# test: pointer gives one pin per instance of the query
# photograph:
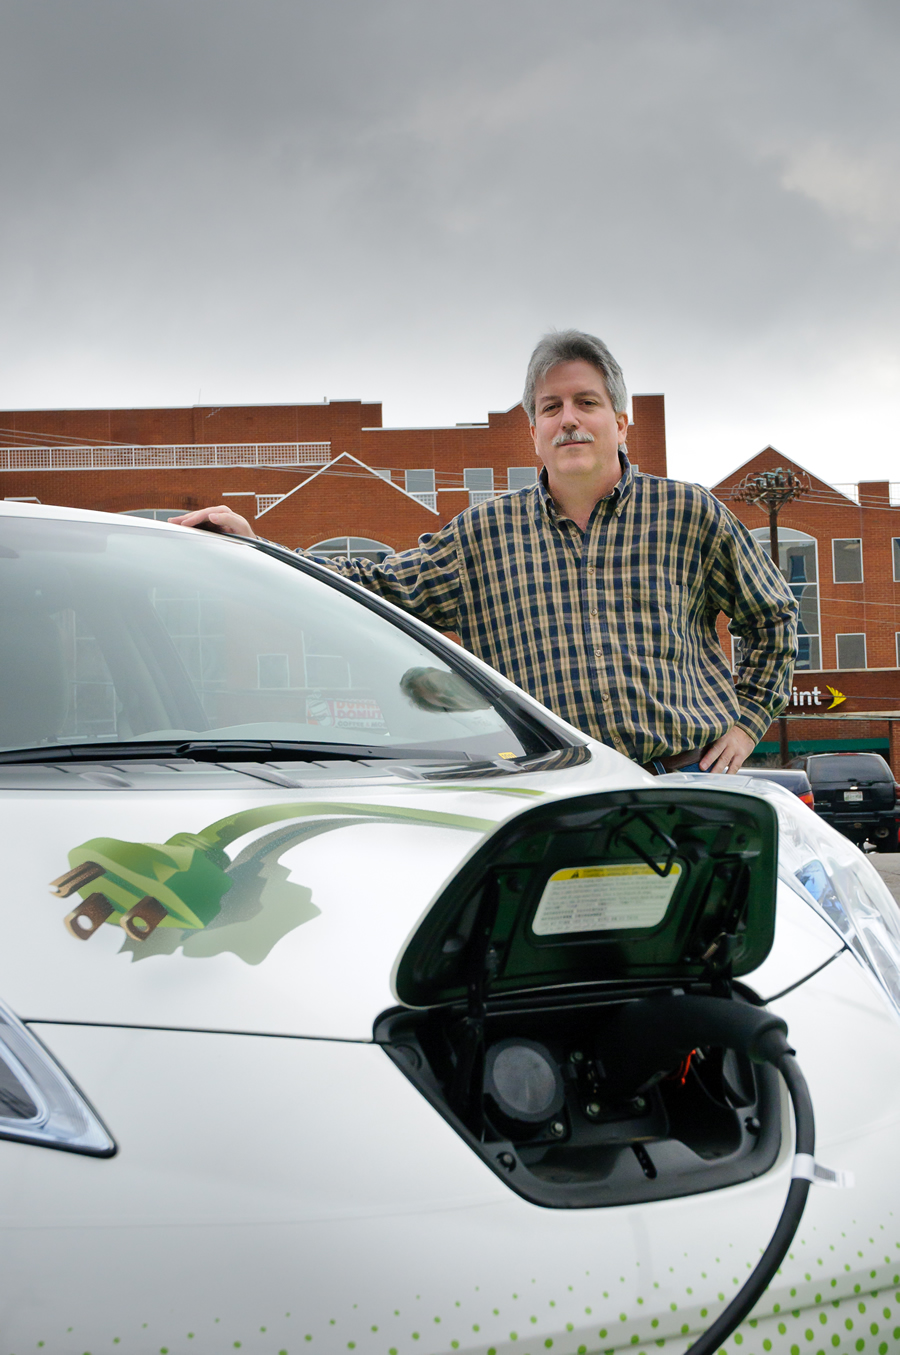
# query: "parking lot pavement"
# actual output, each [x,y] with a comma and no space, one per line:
[888,866]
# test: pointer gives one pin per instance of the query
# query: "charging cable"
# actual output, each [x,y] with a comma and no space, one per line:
[658,1032]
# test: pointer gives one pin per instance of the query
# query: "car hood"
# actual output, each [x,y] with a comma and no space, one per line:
[283,911]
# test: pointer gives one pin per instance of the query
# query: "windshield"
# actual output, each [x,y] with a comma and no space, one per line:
[116,632]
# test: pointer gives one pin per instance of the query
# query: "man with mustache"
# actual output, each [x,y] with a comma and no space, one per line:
[597,589]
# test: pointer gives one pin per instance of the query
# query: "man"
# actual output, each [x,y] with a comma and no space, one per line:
[597,590]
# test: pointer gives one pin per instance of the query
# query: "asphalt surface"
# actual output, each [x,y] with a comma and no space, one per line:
[888,866]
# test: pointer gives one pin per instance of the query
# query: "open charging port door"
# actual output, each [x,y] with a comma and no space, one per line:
[513,990]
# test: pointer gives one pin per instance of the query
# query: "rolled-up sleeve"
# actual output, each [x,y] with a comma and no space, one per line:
[746,586]
[424,581]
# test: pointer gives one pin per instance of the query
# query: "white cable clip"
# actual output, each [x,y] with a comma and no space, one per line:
[806,1168]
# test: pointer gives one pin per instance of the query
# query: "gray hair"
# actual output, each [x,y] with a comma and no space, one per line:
[571,345]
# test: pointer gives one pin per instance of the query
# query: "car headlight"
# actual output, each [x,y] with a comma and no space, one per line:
[831,874]
[38,1102]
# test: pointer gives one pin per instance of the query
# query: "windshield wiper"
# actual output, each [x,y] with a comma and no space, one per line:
[230,750]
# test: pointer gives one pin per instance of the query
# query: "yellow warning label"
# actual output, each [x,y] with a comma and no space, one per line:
[604,898]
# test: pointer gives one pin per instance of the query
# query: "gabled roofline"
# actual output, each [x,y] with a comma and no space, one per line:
[794,462]
[348,456]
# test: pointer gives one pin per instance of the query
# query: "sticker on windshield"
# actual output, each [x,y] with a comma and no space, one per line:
[344,712]
[604,899]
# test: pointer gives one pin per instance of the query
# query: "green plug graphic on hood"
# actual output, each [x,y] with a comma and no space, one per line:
[180,883]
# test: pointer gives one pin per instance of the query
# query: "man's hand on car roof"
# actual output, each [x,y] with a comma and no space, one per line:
[221,518]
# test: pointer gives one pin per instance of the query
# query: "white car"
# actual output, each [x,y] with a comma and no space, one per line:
[354,1002]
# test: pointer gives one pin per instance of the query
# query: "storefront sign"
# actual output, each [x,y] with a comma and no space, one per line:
[815,696]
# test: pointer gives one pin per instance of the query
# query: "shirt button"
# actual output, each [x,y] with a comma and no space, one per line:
[595,611]
[598,653]
[591,570]
[604,696]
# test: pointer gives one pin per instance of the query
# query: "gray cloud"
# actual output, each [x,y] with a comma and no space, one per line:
[279,201]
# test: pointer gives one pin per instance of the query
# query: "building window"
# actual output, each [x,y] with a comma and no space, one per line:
[331,671]
[851,651]
[357,547]
[272,671]
[196,626]
[895,546]
[798,560]
[479,481]
[520,477]
[420,485]
[846,554]
[897,646]
[159,514]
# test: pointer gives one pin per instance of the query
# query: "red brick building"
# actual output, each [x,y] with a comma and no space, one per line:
[839,549]
[332,476]
[302,474]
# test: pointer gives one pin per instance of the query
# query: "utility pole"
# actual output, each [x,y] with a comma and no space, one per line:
[770,490]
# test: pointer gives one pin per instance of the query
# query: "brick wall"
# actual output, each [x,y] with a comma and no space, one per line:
[871,607]
[345,499]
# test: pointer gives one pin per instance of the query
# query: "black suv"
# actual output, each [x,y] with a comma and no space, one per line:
[857,794]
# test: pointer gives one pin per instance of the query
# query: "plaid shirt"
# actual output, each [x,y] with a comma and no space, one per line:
[613,628]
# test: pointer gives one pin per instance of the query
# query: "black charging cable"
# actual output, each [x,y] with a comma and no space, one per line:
[656,1032]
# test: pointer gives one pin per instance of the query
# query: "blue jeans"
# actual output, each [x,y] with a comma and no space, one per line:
[691,767]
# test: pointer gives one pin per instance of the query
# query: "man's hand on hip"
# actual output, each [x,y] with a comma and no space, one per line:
[223,518]
[729,753]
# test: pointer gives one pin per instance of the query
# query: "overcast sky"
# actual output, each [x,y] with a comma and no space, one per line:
[227,201]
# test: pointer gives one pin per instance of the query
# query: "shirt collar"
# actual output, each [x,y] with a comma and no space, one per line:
[617,497]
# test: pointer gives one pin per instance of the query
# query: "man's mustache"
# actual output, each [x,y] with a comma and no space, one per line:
[571,437]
